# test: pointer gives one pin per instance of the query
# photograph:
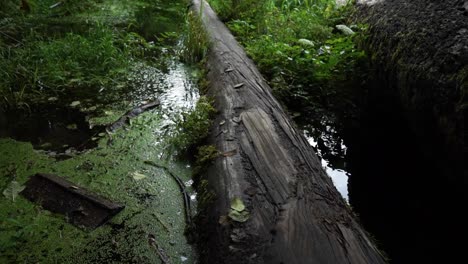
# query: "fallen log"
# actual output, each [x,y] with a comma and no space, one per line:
[273,201]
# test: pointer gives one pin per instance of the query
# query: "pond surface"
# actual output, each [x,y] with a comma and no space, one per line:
[66,135]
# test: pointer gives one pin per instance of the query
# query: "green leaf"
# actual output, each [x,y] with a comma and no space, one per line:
[237,205]
[239,216]
[306,42]
[13,189]
[238,212]
[75,103]
[138,176]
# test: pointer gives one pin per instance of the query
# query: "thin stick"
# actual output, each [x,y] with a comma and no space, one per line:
[187,205]
[162,255]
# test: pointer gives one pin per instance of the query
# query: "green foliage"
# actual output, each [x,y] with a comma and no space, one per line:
[12,191]
[195,41]
[10,8]
[73,62]
[193,126]
[70,6]
[155,19]
[296,46]
[238,211]
[206,197]
[206,154]
[74,49]
[78,59]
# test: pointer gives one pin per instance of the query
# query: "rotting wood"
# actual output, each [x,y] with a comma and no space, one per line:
[296,214]
[159,250]
[82,207]
[125,119]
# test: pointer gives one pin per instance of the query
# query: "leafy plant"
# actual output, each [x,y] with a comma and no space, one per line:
[195,41]
[12,190]
[193,126]
[206,154]
[203,159]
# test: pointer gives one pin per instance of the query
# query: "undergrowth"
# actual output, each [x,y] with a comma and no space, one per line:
[194,125]
[310,64]
[71,61]
[50,48]
[195,41]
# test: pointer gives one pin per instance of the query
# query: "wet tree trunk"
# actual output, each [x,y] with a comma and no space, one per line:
[296,215]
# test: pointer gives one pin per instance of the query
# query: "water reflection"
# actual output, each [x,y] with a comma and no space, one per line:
[176,88]
[339,175]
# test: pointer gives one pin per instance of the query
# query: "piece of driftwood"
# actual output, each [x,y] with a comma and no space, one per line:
[125,119]
[293,213]
[80,206]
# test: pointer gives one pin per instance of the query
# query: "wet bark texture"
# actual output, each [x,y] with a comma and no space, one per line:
[410,197]
[296,214]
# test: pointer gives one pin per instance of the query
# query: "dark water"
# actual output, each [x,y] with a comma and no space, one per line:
[49,127]
[329,146]
[399,190]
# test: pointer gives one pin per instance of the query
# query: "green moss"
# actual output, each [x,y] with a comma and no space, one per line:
[206,154]
[108,117]
[30,234]
[203,82]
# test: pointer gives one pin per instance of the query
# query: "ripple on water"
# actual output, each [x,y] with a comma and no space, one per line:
[176,88]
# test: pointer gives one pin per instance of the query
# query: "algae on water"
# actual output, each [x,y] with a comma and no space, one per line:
[115,169]
[45,237]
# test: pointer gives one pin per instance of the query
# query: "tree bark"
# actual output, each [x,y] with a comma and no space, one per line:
[296,215]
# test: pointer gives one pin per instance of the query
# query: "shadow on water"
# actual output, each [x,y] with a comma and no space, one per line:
[398,190]
[50,127]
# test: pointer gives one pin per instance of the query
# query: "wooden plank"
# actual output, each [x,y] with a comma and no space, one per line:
[82,207]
